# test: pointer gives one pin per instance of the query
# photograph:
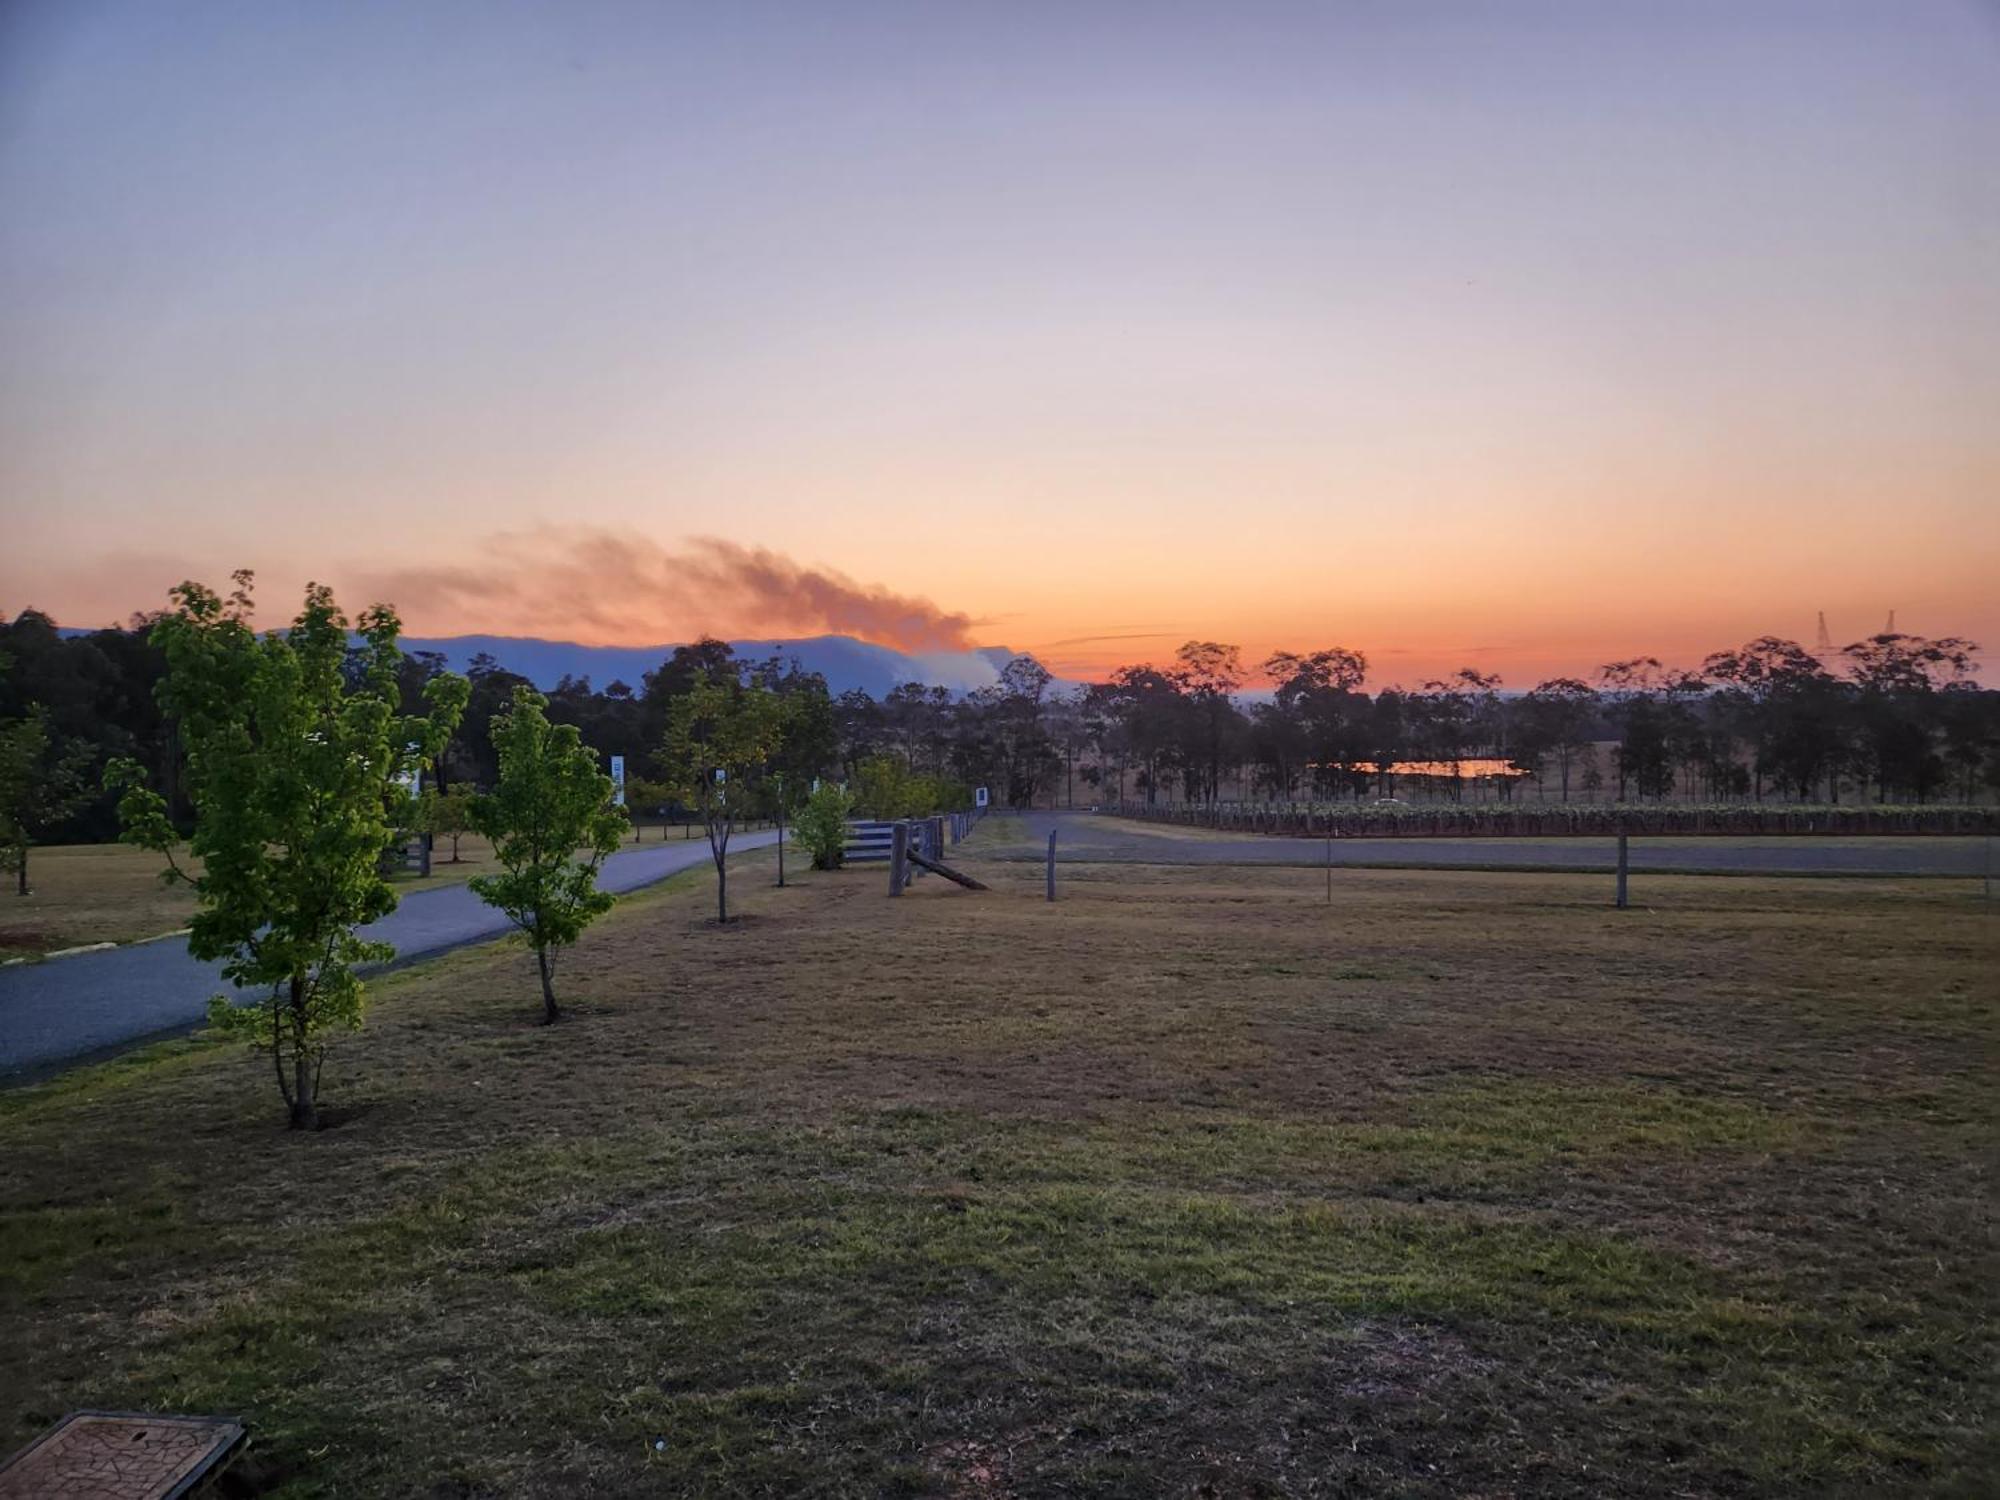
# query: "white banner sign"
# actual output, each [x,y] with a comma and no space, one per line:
[618,781]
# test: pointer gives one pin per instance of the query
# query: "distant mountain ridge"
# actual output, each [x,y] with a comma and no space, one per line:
[843,661]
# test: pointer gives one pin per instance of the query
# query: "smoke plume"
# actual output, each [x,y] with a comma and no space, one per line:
[600,587]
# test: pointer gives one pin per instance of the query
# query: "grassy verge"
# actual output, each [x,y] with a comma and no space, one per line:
[1186,1184]
[88,893]
[111,893]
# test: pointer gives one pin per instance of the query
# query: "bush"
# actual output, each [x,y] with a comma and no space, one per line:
[821,825]
[886,788]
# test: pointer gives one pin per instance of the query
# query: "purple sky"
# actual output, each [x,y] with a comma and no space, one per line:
[1548,332]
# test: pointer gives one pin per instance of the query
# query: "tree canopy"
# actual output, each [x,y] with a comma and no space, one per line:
[295,755]
[552,824]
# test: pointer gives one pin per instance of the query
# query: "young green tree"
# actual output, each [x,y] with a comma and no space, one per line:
[885,789]
[448,815]
[821,825]
[645,798]
[40,785]
[720,738]
[552,825]
[292,748]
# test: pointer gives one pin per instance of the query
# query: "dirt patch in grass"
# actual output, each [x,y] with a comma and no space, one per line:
[1187,1184]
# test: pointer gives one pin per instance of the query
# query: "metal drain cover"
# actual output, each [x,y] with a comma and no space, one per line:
[120,1455]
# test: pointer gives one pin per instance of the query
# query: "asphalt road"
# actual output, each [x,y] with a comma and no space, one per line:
[1088,839]
[89,1004]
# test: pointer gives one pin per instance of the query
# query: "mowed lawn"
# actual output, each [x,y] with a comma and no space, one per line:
[1188,1184]
[88,893]
[112,893]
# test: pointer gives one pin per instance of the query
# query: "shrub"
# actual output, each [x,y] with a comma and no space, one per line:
[885,787]
[821,825]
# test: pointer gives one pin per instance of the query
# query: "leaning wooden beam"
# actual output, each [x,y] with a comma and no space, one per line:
[949,874]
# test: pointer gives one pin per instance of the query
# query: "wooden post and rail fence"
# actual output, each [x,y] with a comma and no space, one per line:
[911,846]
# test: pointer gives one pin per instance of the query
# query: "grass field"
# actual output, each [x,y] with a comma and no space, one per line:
[88,893]
[111,893]
[1188,1184]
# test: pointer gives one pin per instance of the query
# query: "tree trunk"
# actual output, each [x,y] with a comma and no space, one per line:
[551,1013]
[721,890]
[21,872]
[305,1113]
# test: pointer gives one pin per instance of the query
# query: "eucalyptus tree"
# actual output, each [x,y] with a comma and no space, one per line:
[1899,681]
[1318,716]
[1207,674]
[1554,720]
[552,824]
[1970,720]
[292,754]
[1786,708]
[1632,694]
[1071,731]
[1004,732]
[1455,716]
[1149,706]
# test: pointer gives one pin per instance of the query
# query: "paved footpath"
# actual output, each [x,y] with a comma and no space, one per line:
[65,1009]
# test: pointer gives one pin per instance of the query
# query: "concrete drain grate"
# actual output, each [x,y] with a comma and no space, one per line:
[121,1455]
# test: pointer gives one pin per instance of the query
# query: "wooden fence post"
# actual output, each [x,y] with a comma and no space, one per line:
[1052,864]
[1624,867]
[899,855]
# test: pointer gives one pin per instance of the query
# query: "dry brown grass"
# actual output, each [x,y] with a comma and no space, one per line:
[1186,1184]
[111,893]
[88,893]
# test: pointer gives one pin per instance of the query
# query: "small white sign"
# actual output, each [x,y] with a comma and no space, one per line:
[720,774]
[979,797]
[618,781]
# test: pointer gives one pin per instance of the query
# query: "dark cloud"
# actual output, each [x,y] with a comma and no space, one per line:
[602,586]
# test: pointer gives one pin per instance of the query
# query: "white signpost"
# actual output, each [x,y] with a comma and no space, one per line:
[618,781]
[412,782]
[979,797]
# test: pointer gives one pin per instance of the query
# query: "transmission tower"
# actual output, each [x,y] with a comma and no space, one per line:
[1823,645]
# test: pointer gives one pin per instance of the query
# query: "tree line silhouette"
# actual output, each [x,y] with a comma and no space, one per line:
[1892,718]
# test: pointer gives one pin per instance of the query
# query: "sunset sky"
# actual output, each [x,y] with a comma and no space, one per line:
[1522,336]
